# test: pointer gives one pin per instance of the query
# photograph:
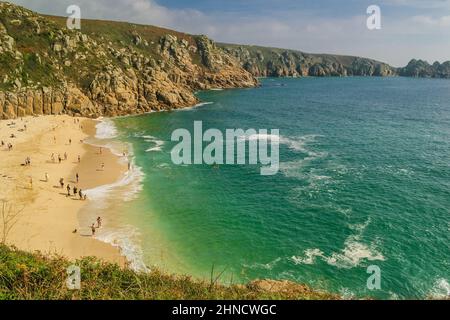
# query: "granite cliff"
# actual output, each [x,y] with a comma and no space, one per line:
[117,68]
[274,62]
[106,68]
[422,69]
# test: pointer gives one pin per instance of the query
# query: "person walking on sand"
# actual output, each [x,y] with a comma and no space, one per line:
[79,159]
[70,141]
[68,190]
[59,158]
[99,222]
[46,177]
[77,177]
[80,193]
[93,229]
[75,190]
[61,182]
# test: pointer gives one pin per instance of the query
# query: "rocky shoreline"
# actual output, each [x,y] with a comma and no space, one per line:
[116,68]
[125,69]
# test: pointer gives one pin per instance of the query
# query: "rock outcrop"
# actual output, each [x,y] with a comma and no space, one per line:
[106,68]
[422,69]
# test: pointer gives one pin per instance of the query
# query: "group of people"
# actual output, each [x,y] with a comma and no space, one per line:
[72,190]
[53,158]
[99,224]
[27,161]
[9,145]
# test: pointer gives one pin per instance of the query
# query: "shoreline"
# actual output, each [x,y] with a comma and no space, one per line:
[40,214]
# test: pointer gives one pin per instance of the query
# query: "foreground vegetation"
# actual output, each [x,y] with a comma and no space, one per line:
[35,276]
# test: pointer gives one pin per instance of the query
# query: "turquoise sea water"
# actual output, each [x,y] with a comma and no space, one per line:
[364,180]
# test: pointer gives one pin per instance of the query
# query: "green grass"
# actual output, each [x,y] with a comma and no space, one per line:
[26,275]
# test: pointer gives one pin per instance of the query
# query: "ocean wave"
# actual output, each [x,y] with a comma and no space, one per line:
[129,185]
[125,238]
[265,266]
[300,143]
[105,129]
[194,107]
[126,188]
[353,253]
[440,289]
[157,144]
[309,257]
[202,104]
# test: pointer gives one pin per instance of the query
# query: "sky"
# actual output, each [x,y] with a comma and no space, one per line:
[409,28]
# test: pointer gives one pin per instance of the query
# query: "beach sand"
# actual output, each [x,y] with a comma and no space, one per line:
[44,216]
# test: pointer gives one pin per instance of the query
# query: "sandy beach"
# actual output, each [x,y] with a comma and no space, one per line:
[40,213]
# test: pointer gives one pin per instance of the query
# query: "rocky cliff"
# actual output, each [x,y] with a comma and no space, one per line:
[422,69]
[273,62]
[115,68]
[106,68]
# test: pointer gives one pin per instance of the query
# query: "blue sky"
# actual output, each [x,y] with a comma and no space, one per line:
[410,28]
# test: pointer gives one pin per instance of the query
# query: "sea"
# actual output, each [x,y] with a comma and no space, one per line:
[362,190]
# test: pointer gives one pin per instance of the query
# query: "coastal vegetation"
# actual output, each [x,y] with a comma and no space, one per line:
[25,275]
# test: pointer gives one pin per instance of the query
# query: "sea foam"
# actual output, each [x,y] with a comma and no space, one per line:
[126,188]
[353,253]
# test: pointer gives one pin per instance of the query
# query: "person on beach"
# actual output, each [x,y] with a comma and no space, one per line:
[68,190]
[59,158]
[54,138]
[3,143]
[80,193]
[31,182]
[46,177]
[61,182]
[75,190]
[93,229]
[79,159]
[70,141]
[100,150]
[77,177]
[99,222]
[129,166]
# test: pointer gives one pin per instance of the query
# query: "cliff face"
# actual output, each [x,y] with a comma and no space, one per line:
[106,68]
[273,62]
[422,69]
